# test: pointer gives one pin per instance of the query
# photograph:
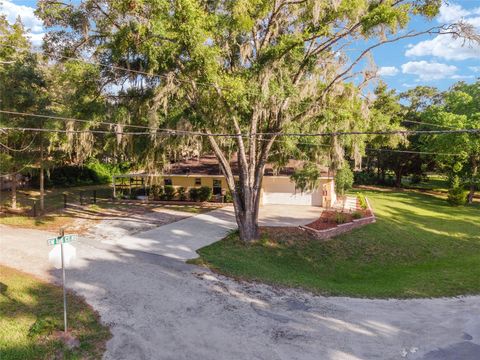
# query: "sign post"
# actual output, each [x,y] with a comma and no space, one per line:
[62,232]
[53,256]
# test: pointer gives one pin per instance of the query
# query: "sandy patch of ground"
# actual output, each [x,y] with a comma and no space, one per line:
[115,222]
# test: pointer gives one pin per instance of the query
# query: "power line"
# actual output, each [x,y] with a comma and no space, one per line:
[172,132]
[22,149]
[54,117]
[372,149]
[425,123]
[16,172]
[390,132]
[413,152]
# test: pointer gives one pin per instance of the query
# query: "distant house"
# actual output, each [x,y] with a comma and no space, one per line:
[277,187]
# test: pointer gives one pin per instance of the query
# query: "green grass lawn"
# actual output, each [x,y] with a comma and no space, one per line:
[419,247]
[30,314]
[434,183]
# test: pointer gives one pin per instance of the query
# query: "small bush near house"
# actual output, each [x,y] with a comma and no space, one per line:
[340,218]
[228,198]
[362,201]
[168,192]
[204,193]
[182,193]
[157,192]
[193,194]
[357,215]
[343,179]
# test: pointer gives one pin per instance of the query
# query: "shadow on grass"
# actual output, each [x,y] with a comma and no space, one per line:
[419,247]
[31,313]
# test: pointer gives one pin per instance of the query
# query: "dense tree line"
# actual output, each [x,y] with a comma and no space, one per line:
[389,160]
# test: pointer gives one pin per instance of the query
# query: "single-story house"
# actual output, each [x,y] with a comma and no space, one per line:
[277,187]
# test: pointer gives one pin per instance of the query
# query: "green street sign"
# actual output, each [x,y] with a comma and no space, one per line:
[62,239]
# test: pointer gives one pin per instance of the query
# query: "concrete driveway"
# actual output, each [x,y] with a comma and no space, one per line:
[288,215]
[180,240]
[161,308]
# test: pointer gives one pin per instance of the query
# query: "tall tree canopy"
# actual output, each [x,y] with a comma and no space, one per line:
[22,89]
[254,68]
[460,109]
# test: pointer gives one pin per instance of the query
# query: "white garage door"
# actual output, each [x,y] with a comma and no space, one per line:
[278,198]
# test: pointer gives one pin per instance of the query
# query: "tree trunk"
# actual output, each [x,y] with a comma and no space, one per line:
[42,181]
[473,181]
[398,178]
[248,225]
[14,191]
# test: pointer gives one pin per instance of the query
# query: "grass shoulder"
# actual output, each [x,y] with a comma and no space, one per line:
[419,247]
[31,314]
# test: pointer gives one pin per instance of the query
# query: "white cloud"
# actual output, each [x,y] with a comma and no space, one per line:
[427,71]
[452,12]
[387,71]
[474,68]
[36,39]
[459,77]
[444,46]
[26,14]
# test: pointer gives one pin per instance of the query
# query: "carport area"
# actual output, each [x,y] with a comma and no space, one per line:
[288,215]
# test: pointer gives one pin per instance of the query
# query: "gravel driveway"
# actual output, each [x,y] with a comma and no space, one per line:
[161,308]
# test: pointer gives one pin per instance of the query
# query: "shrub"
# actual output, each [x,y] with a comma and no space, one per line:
[204,193]
[357,215]
[92,173]
[456,195]
[365,178]
[157,192]
[343,179]
[340,218]
[362,201]
[168,192]
[228,198]
[416,178]
[182,193]
[193,194]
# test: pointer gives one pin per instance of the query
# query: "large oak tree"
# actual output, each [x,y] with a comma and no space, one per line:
[254,68]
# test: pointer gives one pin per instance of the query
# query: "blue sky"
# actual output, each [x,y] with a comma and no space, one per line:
[427,60]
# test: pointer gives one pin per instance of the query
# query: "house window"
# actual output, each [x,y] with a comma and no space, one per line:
[167,182]
[217,187]
[198,181]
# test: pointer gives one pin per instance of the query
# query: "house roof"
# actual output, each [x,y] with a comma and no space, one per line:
[208,165]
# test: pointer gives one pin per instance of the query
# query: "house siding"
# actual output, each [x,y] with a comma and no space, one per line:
[281,190]
[275,189]
[189,181]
